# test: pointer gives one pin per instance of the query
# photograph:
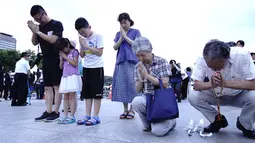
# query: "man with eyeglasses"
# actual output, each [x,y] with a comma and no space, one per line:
[46,34]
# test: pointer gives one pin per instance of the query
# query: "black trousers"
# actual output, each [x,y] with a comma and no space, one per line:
[20,89]
[39,90]
[11,91]
[1,90]
[7,88]
[184,87]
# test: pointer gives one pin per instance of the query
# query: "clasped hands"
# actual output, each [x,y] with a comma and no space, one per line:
[33,27]
[62,56]
[217,80]
[123,33]
[142,71]
[83,42]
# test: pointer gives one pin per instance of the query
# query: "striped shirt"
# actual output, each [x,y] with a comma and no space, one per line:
[159,68]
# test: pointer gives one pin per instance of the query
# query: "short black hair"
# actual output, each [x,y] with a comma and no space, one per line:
[36,9]
[241,42]
[252,54]
[24,54]
[188,69]
[81,23]
[231,44]
[172,61]
[61,43]
[125,16]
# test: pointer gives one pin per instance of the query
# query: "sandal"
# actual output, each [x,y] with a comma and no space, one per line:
[93,121]
[130,115]
[124,115]
[63,120]
[84,120]
[71,120]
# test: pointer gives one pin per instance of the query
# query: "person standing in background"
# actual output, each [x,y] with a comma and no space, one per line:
[22,71]
[46,34]
[240,43]
[7,85]
[176,79]
[123,85]
[253,57]
[39,87]
[185,82]
[12,84]
[1,80]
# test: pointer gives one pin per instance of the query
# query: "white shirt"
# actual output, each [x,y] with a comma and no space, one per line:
[240,67]
[92,60]
[22,66]
[184,74]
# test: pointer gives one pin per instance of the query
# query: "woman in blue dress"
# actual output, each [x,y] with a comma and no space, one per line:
[123,86]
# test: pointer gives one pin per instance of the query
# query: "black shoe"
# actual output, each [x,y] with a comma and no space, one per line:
[216,125]
[147,129]
[25,104]
[247,133]
[81,98]
[53,117]
[184,98]
[43,117]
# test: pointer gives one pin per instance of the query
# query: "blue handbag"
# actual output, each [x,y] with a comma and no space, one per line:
[162,105]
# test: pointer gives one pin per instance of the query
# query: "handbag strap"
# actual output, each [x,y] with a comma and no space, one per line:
[161,84]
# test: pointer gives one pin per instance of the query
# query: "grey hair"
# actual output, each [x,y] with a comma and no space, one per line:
[141,44]
[216,49]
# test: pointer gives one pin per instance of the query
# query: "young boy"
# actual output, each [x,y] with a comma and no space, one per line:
[93,72]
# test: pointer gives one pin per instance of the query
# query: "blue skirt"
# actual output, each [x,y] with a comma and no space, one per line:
[123,84]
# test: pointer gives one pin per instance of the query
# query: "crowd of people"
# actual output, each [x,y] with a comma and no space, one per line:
[227,68]
[6,81]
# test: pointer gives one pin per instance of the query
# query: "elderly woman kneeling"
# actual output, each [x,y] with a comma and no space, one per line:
[148,71]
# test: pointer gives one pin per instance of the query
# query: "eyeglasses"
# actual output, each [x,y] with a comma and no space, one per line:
[40,17]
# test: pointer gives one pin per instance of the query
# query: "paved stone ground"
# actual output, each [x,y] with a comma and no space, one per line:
[17,126]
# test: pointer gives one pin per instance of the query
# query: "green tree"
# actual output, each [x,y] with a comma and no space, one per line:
[8,59]
[33,56]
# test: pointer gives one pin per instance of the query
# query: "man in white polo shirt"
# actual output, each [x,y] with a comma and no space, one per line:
[22,70]
[230,68]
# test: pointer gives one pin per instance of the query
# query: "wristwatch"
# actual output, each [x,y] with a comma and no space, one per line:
[39,32]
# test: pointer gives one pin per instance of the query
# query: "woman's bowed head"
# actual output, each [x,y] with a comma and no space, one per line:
[143,49]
